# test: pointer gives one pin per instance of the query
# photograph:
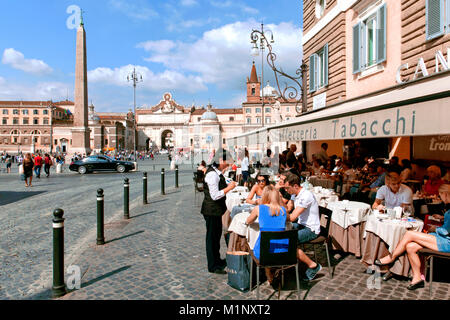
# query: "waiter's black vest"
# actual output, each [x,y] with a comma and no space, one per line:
[209,206]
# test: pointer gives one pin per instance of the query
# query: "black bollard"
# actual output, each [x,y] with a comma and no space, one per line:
[100,218]
[59,288]
[162,182]
[144,188]
[126,199]
[176,176]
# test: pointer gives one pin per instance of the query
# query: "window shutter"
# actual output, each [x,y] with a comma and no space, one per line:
[448,16]
[312,73]
[434,18]
[381,34]
[325,65]
[356,48]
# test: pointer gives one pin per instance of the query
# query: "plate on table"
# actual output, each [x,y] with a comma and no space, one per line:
[382,216]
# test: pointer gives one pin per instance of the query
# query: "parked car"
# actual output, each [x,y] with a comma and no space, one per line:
[100,163]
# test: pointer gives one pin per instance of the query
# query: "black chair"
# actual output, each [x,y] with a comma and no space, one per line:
[323,238]
[430,255]
[280,261]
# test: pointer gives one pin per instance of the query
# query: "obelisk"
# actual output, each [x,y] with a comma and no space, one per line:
[80,130]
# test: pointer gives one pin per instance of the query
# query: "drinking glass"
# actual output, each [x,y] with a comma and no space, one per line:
[407,211]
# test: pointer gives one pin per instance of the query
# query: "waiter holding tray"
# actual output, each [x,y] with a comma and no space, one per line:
[213,207]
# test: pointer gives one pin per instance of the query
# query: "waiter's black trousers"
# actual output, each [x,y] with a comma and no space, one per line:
[213,235]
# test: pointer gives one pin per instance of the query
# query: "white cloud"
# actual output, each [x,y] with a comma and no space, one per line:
[40,91]
[155,82]
[228,4]
[136,10]
[188,3]
[17,60]
[222,56]
[160,46]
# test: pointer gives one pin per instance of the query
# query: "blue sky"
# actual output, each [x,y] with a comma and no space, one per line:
[197,50]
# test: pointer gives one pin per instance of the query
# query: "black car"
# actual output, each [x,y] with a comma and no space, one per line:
[100,163]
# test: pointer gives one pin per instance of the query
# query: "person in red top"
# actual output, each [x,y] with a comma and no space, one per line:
[47,164]
[37,165]
[431,187]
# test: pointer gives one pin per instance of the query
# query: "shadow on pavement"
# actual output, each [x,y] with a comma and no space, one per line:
[106,275]
[142,214]
[7,197]
[123,237]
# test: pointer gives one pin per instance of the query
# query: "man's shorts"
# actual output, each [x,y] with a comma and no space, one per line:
[305,234]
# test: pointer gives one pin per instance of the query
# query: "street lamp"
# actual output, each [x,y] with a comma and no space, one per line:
[255,53]
[51,108]
[135,77]
[295,91]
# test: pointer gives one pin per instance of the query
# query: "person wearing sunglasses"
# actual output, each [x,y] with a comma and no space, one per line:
[256,193]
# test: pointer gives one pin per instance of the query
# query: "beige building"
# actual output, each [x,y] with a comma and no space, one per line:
[31,126]
[377,73]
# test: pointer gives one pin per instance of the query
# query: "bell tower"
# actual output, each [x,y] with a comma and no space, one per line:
[253,86]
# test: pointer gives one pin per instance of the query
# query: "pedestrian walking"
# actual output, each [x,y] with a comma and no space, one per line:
[38,165]
[47,164]
[8,163]
[28,170]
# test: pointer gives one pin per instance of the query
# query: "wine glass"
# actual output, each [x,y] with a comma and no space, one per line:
[407,211]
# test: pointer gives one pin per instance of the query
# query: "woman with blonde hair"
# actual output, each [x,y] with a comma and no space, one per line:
[437,239]
[272,217]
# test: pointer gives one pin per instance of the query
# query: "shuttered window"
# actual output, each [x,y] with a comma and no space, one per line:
[312,73]
[434,18]
[318,69]
[356,48]
[369,41]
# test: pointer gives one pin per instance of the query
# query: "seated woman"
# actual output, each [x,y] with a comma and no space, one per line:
[432,185]
[257,190]
[272,217]
[413,241]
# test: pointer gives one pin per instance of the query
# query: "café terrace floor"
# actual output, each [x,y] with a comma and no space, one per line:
[160,254]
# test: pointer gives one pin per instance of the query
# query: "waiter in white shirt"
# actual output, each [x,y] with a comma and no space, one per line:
[213,207]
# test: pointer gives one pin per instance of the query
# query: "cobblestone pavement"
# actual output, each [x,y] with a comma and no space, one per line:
[157,254]
[26,220]
[160,254]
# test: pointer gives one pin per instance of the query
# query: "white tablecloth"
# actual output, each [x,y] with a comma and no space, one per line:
[391,231]
[251,232]
[324,199]
[234,199]
[357,212]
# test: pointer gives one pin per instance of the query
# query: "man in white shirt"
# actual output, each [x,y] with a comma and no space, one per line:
[307,212]
[394,193]
[213,207]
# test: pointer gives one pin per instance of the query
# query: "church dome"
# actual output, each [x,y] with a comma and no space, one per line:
[269,91]
[209,114]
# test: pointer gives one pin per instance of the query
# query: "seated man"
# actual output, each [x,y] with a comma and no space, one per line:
[394,193]
[306,212]
[285,196]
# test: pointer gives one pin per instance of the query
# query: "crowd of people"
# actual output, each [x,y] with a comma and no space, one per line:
[382,185]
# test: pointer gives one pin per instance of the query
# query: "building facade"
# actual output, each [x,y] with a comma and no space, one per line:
[377,74]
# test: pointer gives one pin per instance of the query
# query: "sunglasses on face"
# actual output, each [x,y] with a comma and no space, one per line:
[261,181]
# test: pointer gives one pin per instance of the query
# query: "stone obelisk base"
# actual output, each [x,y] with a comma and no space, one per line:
[80,138]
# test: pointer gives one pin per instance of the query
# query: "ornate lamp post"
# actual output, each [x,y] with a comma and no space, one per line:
[297,90]
[261,36]
[51,108]
[135,77]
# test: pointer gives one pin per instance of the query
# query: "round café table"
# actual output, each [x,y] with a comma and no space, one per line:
[381,236]
[347,225]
